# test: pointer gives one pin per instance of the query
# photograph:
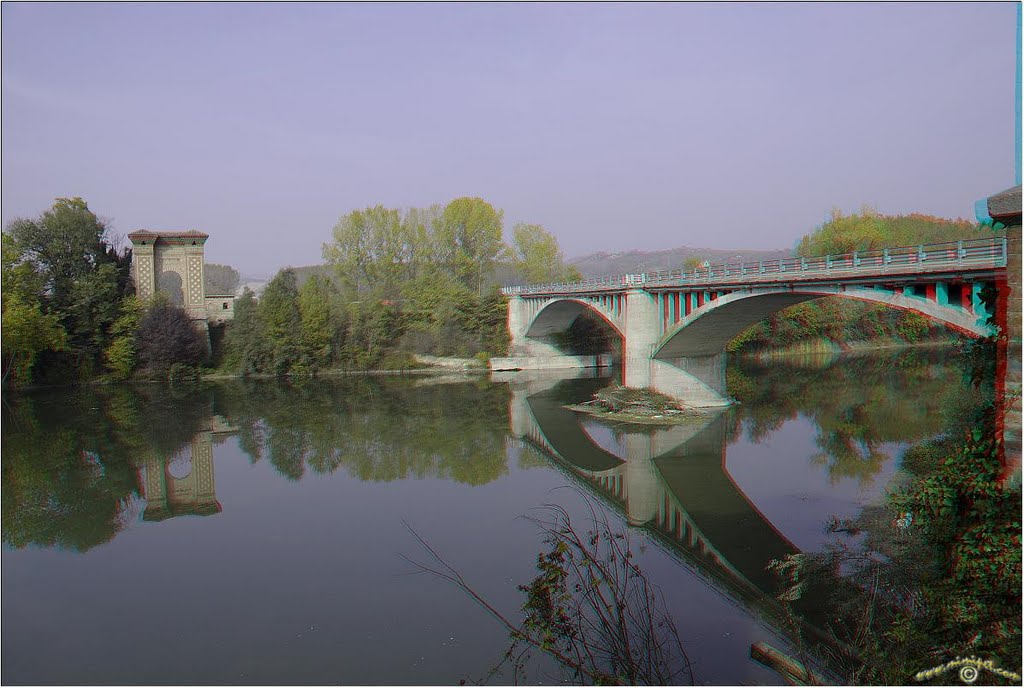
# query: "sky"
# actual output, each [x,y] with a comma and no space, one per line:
[615,126]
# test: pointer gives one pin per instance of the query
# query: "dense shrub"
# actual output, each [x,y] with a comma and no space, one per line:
[167,336]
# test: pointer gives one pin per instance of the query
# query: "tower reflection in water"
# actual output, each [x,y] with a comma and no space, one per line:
[193,493]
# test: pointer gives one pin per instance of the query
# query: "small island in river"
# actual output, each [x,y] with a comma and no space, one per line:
[637,405]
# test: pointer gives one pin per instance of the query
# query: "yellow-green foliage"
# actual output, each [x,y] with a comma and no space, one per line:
[26,332]
[839,319]
[870,230]
[120,354]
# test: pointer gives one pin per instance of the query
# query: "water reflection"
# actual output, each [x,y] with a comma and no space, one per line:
[376,429]
[73,461]
[184,484]
[82,466]
[857,404]
[676,478]
[675,481]
[79,465]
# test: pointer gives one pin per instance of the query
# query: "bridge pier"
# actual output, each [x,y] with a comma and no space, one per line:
[641,332]
[697,381]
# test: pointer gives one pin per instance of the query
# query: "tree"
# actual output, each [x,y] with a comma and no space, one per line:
[246,344]
[77,274]
[167,336]
[26,330]
[120,355]
[692,263]
[372,250]
[64,244]
[372,328]
[470,240]
[221,279]
[279,313]
[536,255]
[869,230]
[319,319]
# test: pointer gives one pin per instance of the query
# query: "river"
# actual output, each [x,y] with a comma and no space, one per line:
[260,532]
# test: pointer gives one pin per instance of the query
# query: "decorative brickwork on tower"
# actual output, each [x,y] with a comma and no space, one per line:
[174,263]
[171,262]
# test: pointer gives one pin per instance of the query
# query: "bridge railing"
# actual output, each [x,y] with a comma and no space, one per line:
[985,251]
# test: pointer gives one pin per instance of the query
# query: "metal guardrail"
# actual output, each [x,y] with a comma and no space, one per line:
[987,251]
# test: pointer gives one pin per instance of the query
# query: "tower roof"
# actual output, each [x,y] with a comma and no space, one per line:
[141,235]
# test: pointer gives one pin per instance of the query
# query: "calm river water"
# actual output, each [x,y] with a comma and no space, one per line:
[255,532]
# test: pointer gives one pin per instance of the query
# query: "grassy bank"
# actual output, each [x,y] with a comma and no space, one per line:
[824,347]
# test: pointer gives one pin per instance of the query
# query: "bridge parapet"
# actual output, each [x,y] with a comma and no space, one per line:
[985,252]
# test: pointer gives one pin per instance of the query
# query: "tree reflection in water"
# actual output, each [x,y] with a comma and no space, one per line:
[857,403]
[71,459]
[377,429]
[937,572]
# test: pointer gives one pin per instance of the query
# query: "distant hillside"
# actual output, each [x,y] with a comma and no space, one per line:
[602,263]
[304,272]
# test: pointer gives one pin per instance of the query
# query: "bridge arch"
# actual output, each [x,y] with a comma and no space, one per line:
[707,330]
[559,314]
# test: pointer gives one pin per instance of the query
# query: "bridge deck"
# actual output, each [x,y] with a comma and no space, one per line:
[969,255]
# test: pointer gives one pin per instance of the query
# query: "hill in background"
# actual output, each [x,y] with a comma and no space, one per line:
[604,263]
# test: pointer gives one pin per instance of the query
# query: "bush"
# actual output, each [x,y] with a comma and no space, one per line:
[618,399]
[167,336]
[398,360]
[181,372]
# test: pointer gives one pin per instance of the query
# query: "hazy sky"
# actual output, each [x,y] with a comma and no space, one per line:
[615,126]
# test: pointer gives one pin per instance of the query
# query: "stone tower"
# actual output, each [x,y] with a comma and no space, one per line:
[172,263]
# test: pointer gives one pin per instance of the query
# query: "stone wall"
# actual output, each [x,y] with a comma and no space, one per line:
[220,308]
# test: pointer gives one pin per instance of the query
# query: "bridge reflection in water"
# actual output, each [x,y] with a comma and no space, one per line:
[672,482]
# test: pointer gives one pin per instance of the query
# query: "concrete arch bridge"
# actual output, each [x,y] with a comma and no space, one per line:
[674,325]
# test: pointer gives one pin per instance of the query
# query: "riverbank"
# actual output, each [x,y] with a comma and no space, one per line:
[827,347]
[433,365]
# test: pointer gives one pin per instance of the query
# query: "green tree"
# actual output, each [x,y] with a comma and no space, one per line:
[372,251]
[692,263]
[870,230]
[372,329]
[79,274]
[536,255]
[26,332]
[246,346]
[319,319]
[221,279]
[279,314]
[120,355]
[470,240]
[64,244]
